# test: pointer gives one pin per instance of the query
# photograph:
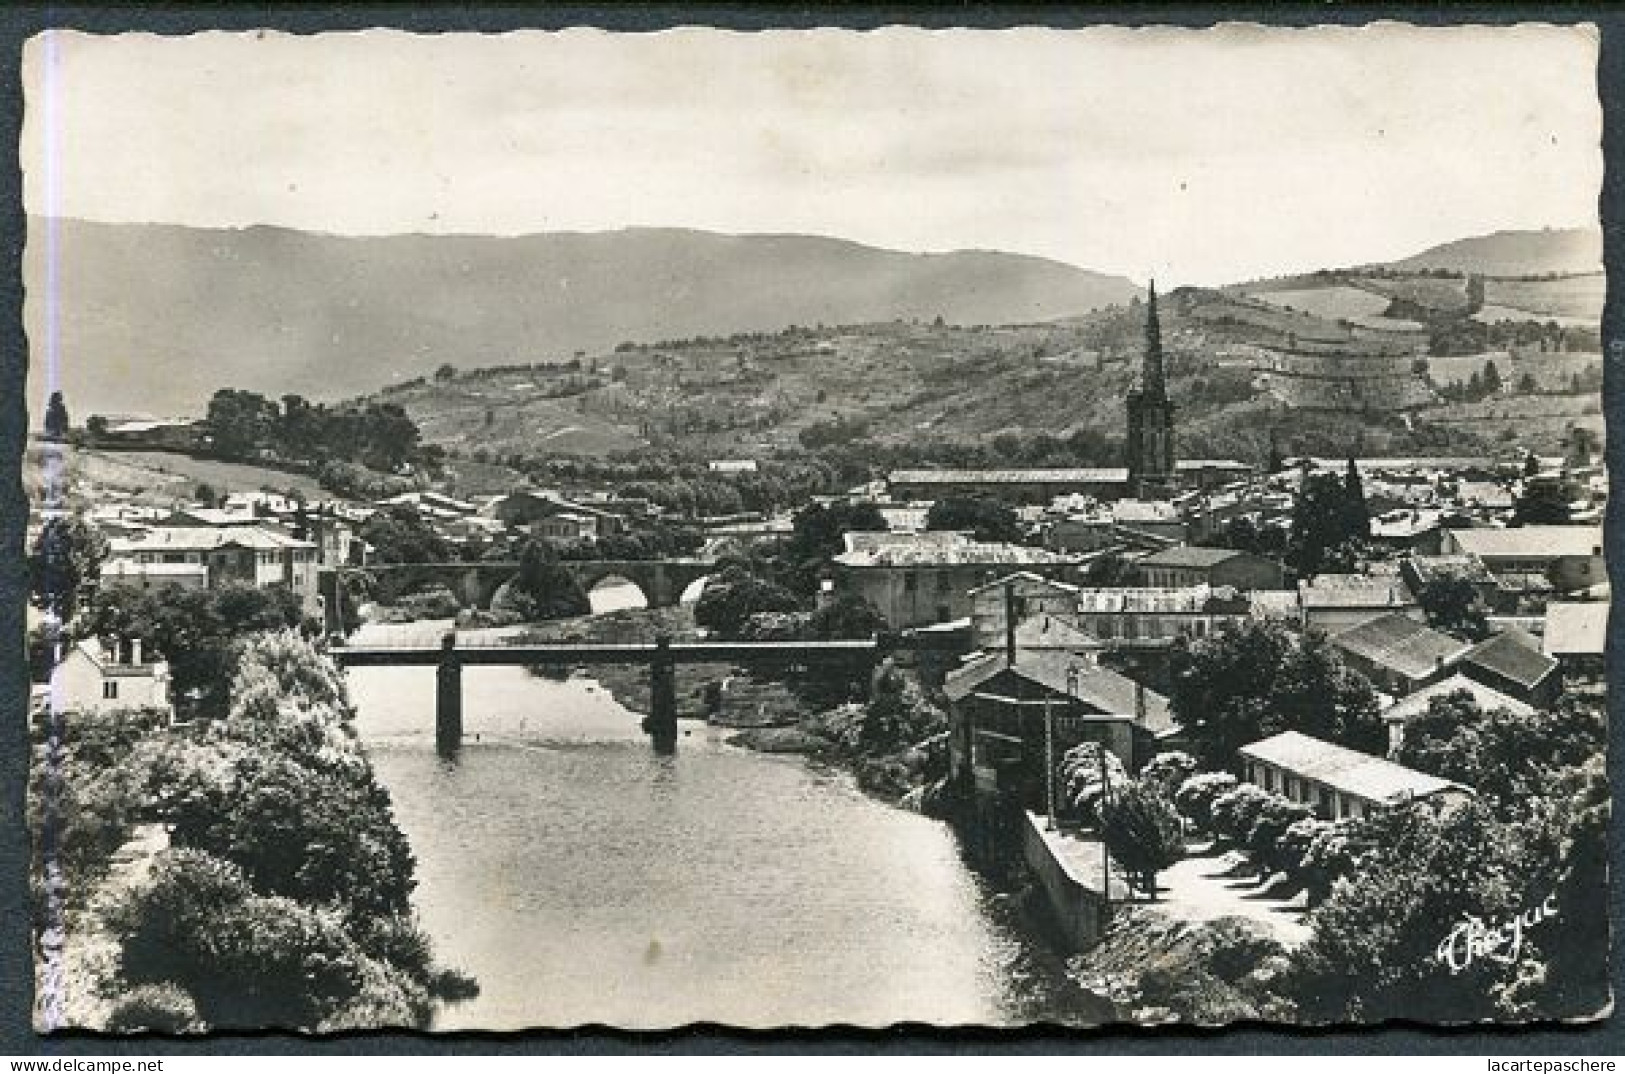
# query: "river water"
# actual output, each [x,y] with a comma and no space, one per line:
[582,879]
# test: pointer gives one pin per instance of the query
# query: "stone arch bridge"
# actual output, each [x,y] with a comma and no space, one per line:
[662,581]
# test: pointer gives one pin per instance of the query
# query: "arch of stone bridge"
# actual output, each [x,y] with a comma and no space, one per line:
[661,581]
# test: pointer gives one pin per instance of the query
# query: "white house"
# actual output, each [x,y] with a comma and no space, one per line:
[98,678]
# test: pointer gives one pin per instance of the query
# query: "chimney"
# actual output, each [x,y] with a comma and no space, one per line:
[135,651]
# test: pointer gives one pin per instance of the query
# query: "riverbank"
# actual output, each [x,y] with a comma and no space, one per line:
[166,900]
[893,745]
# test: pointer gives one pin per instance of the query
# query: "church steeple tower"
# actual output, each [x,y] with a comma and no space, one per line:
[1152,384]
[1150,447]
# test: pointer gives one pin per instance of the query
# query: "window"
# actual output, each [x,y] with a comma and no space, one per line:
[944,582]
[910,582]
[110,690]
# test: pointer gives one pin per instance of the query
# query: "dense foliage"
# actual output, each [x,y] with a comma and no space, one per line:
[1257,679]
[241,424]
[543,589]
[197,630]
[283,899]
[1451,604]
[1142,832]
[985,519]
[734,595]
[64,565]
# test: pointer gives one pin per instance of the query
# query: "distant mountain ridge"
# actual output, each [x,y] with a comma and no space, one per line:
[155,317]
[1515,253]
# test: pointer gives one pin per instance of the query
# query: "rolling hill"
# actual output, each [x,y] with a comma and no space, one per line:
[1515,253]
[153,318]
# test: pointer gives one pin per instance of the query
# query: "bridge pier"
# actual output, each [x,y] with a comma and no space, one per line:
[662,721]
[448,711]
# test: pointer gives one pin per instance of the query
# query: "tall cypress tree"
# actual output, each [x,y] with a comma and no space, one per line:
[1357,514]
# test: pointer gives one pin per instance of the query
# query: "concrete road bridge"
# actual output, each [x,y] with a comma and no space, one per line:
[662,657]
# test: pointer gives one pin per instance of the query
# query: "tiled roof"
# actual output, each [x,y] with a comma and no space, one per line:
[1351,772]
[1098,687]
[204,539]
[1514,655]
[1399,642]
[1485,697]
[911,551]
[1576,629]
[1190,555]
[1469,567]
[1354,591]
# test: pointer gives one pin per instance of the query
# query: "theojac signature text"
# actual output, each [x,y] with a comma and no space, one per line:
[1475,938]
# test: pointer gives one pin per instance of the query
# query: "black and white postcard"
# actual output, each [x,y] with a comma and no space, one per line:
[816,528]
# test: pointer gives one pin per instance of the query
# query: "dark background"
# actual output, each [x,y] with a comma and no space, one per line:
[18,22]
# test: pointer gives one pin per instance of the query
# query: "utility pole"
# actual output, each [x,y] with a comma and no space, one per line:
[1049,763]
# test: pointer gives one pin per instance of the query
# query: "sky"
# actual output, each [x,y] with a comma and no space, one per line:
[1192,156]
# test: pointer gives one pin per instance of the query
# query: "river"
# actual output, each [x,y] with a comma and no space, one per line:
[582,879]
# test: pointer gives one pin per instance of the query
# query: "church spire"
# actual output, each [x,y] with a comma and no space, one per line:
[1152,384]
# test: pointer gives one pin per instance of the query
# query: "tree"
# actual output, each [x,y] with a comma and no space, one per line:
[318,836]
[1451,604]
[1324,526]
[96,426]
[552,591]
[197,630]
[1542,503]
[1143,832]
[817,536]
[731,597]
[847,617]
[1391,939]
[1167,772]
[446,372]
[1273,464]
[1508,759]
[56,418]
[249,961]
[1527,385]
[64,565]
[240,422]
[1197,794]
[988,520]
[1357,515]
[398,534]
[1257,679]
[1090,776]
[1492,378]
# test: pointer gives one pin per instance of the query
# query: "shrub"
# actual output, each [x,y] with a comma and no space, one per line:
[1196,795]
[1292,848]
[1234,811]
[1273,819]
[1081,777]
[1167,772]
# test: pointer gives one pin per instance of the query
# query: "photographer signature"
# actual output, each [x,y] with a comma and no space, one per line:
[1473,939]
